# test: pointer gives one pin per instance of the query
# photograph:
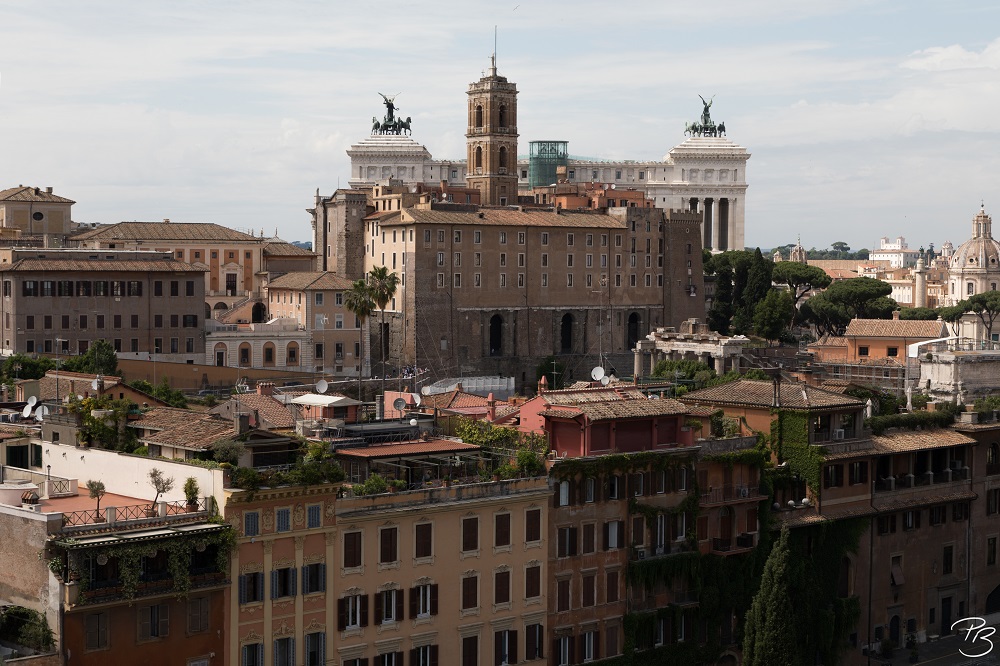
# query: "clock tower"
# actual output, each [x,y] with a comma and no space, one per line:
[492,138]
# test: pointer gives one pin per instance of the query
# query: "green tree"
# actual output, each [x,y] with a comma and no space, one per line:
[952,314]
[840,247]
[722,302]
[859,296]
[358,299]
[828,317]
[927,314]
[382,285]
[770,638]
[773,314]
[27,367]
[986,306]
[99,359]
[799,278]
[758,284]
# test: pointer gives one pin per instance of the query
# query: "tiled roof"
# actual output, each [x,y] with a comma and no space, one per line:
[456,399]
[270,410]
[896,328]
[757,393]
[619,409]
[103,265]
[21,193]
[889,502]
[282,249]
[407,449]
[830,341]
[198,433]
[901,441]
[161,418]
[318,280]
[510,217]
[70,383]
[597,394]
[171,231]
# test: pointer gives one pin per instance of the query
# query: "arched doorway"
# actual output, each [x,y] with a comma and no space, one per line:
[220,354]
[633,330]
[258,314]
[496,335]
[566,334]
[894,630]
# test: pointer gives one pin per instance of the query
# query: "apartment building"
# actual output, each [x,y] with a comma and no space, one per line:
[61,301]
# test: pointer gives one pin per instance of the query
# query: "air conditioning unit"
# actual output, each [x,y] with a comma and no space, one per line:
[659,550]
[642,553]
[838,434]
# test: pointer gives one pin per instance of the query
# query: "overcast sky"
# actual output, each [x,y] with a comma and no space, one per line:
[864,118]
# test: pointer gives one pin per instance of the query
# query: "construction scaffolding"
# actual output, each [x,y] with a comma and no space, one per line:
[544,158]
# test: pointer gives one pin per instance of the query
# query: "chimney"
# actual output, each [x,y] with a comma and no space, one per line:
[543,384]
[776,399]
[265,388]
[166,220]
[48,190]
[241,422]
[895,315]
[491,407]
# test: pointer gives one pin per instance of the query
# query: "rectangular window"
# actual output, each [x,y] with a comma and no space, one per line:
[859,472]
[566,541]
[388,545]
[533,582]
[545,238]
[314,513]
[316,649]
[251,524]
[251,588]
[477,236]
[97,631]
[503,237]
[948,560]
[197,615]
[532,525]
[589,590]
[284,582]
[458,280]
[470,651]
[833,476]
[562,595]
[533,641]
[283,519]
[862,350]
[470,592]
[501,587]
[314,578]
[589,538]
[424,541]
[423,600]
[501,530]
[352,550]
[911,519]
[938,515]
[611,588]
[470,534]
[284,651]
[154,621]
[134,321]
[352,612]
[458,236]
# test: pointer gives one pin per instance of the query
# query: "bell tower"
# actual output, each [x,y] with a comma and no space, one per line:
[492,138]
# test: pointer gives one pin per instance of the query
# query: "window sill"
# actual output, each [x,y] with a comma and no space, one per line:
[469,554]
[417,561]
[387,566]
[347,571]
[501,549]
[469,612]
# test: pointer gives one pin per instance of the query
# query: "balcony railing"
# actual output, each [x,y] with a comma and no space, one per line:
[741,543]
[731,493]
[904,481]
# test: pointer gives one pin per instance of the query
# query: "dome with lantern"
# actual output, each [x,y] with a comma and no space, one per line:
[975,265]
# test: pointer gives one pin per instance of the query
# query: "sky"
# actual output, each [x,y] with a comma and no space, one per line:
[864,118]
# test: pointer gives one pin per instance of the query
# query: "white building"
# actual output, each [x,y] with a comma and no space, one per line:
[896,252]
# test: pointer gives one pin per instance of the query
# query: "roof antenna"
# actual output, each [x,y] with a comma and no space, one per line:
[494,46]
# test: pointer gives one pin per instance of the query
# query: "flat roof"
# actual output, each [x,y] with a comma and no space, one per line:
[397,449]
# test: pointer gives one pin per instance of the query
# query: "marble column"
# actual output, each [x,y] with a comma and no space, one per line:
[717,242]
[706,223]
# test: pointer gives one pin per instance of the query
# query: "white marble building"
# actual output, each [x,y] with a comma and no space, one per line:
[896,252]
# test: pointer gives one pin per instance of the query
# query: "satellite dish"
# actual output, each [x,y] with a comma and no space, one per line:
[416,399]
[399,404]
[605,381]
[26,412]
[425,390]
[597,374]
[38,416]
[43,410]
[322,386]
[94,384]
[32,401]
[79,396]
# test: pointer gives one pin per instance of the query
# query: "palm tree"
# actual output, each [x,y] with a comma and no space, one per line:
[382,285]
[358,299]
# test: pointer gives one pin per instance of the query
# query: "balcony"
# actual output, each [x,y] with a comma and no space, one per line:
[741,544]
[908,481]
[732,494]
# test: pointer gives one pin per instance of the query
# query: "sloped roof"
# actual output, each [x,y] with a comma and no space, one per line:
[454,399]
[830,341]
[317,280]
[510,217]
[618,409]
[896,328]
[198,434]
[902,441]
[576,396]
[32,194]
[268,408]
[283,249]
[104,265]
[160,231]
[758,393]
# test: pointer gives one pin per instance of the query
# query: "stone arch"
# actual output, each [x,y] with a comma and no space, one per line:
[269,354]
[502,116]
[221,354]
[566,334]
[503,157]
[292,353]
[220,307]
[258,313]
[245,354]
[496,335]
[208,312]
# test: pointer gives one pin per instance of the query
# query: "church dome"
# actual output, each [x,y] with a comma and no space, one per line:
[981,252]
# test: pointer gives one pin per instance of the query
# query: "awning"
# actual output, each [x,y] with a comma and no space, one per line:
[316,400]
[896,575]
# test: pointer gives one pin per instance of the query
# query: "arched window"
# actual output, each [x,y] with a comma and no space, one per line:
[245,354]
[503,115]
[970,288]
[479,157]
[633,330]
[292,354]
[566,334]
[479,115]
[503,164]
[993,458]
[268,354]
[496,335]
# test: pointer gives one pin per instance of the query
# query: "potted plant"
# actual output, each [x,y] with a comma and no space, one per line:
[398,485]
[191,491]
[97,492]
[161,484]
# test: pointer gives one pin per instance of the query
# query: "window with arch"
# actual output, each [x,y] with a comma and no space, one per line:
[479,157]
[479,115]
[566,334]
[970,288]
[503,163]
[496,335]
[503,115]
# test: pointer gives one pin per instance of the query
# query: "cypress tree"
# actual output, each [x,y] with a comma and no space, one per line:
[770,638]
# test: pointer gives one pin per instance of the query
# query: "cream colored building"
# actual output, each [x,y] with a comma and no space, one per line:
[34,212]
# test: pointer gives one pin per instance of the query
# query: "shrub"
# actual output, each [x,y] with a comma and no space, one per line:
[191,490]
[246,478]
[373,485]
[228,450]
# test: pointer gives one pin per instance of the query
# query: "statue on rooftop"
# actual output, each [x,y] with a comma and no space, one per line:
[706,117]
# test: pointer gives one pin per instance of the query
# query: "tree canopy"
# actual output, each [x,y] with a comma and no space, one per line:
[773,314]
[799,278]
[99,359]
[743,278]
[860,297]
[986,306]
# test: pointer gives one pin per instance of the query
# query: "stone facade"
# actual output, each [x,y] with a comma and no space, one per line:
[491,138]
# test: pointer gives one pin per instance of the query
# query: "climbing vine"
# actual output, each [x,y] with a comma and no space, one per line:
[790,440]
[656,461]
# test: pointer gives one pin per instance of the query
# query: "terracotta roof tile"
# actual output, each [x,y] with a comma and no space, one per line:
[593,394]
[509,217]
[158,231]
[32,194]
[270,410]
[198,434]
[916,440]
[407,449]
[283,249]
[896,328]
[104,265]
[317,280]
[756,393]
[619,409]
[887,502]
